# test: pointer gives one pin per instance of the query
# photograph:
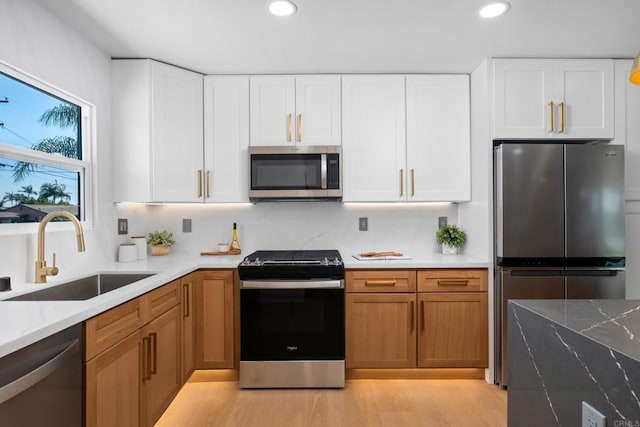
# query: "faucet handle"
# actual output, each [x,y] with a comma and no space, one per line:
[53,270]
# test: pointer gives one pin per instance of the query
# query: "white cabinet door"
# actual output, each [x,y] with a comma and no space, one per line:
[226,136]
[438,138]
[523,89]
[549,98]
[176,133]
[157,132]
[586,89]
[373,144]
[627,101]
[317,120]
[272,110]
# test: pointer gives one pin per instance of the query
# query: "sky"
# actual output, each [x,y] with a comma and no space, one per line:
[19,126]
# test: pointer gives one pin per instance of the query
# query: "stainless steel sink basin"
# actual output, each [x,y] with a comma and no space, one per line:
[83,289]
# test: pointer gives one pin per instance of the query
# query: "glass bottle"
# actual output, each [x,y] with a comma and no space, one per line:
[235,244]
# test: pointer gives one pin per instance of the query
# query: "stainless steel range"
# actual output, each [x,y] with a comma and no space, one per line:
[292,319]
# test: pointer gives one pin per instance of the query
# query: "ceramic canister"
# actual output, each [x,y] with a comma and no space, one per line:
[127,252]
[141,246]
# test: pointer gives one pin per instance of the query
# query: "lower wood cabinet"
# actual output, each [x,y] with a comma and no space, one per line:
[187,284]
[380,330]
[133,366]
[452,330]
[214,292]
[442,325]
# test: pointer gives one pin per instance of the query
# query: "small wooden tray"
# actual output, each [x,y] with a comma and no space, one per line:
[216,253]
[380,254]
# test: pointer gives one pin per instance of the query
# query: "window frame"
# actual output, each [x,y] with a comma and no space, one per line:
[85,167]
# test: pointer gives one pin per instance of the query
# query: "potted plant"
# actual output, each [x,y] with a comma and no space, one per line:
[451,238]
[160,242]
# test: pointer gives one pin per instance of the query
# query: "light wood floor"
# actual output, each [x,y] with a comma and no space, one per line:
[396,403]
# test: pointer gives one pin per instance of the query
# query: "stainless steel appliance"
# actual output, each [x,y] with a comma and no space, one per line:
[292,319]
[559,226]
[41,384]
[298,172]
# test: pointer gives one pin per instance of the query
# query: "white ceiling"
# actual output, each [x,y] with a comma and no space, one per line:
[351,36]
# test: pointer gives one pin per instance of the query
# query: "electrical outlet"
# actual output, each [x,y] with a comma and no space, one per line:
[591,417]
[442,221]
[186,225]
[123,226]
[363,223]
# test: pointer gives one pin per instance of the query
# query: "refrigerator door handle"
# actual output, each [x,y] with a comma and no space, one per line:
[535,273]
[592,273]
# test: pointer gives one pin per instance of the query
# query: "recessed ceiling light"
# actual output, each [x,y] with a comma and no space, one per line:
[493,10]
[282,8]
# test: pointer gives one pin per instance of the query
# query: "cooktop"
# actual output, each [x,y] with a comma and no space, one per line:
[292,264]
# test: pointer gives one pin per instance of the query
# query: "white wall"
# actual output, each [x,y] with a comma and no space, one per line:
[39,44]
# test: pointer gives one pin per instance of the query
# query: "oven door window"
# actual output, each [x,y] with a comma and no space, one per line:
[286,172]
[292,324]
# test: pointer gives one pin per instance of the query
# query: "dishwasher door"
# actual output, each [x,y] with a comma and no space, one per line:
[41,384]
[520,284]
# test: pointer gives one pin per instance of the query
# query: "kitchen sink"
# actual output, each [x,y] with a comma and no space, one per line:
[83,289]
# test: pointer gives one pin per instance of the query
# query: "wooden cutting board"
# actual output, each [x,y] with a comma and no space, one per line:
[380,254]
[216,253]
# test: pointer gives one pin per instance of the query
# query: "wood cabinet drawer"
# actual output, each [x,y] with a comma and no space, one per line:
[380,280]
[452,280]
[108,328]
[162,299]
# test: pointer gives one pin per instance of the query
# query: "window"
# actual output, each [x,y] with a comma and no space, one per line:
[44,156]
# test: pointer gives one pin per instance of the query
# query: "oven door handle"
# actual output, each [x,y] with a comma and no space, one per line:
[292,284]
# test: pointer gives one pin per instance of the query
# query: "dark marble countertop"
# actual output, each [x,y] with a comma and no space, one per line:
[613,323]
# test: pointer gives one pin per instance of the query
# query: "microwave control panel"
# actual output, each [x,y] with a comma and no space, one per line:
[333,171]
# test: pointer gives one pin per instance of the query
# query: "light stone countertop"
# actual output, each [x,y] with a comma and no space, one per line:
[25,322]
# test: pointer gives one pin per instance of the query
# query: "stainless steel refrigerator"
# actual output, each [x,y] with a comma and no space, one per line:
[559,226]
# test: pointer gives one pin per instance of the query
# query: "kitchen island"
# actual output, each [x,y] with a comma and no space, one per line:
[565,352]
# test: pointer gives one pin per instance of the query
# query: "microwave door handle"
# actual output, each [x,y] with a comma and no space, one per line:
[323,171]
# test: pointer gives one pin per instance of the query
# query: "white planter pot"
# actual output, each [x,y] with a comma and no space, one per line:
[449,250]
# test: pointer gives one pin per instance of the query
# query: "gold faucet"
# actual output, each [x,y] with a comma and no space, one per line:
[42,271]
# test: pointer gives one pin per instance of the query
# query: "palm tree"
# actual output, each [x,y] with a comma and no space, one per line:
[13,197]
[29,193]
[63,115]
[53,191]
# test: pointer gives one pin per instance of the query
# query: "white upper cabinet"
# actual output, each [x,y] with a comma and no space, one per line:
[373,141]
[438,138]
[157,132]
[290,110]
[552,98]
[226,138]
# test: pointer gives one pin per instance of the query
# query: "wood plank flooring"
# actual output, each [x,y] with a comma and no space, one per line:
[395,403]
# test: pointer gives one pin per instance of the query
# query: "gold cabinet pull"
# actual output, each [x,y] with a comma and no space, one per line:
[412,317]
[208,184]
[453,282]
[289,128]
[561,106]
[153,368]
[199,183]
[146,359]
[299,127]
[185,294]
[413,183]
[379,282]
[550,116]
[401,182]
[422,315]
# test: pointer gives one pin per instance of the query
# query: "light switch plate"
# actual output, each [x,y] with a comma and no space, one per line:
[186,225]
[442,221]
[123,226]
[591,417]
[363,223]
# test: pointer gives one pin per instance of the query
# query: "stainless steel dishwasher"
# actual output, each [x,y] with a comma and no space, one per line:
[41,384]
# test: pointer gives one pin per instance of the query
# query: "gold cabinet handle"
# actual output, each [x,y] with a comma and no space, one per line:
[379,282]
[199,183]
[550,116]
[422,315]
[401,182]
[185,308]
[412,317]
[453,282]
[153,368]
[289,128]
[299,127]
[413,183]
[208,184]
[561,106]
[146,359]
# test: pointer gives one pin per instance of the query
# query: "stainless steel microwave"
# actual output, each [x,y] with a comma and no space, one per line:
[301,172]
